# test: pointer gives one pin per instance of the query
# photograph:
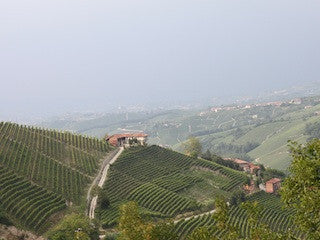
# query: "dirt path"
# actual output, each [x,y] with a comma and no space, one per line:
[194,216]
[100,179]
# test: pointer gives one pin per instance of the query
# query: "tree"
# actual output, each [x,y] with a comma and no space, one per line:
[163,231]
[207,155]
[193,147]
[201,233]
[259,230]
[313,130]
[221,216]
[301,190]
[74,226]
[237,197]
[103,200]
[133,227]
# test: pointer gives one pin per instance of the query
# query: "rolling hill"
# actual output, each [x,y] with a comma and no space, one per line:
[45,174]
[170,185]
[165,183]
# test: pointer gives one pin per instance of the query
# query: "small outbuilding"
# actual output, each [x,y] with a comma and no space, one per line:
[127,139]
[273,185]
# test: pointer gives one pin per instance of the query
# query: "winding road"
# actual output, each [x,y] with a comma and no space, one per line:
[99,180]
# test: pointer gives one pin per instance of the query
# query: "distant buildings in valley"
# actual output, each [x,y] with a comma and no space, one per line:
[296,101]
[271,186]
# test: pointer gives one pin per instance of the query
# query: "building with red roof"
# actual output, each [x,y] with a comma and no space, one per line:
[244,165]
[127,139]
[273,185]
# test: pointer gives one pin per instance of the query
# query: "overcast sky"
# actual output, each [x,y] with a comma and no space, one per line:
[64,55]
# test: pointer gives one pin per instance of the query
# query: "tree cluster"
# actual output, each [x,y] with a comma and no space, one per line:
[74,226]
[133,227]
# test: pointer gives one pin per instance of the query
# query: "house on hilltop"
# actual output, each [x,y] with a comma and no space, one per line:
[127,139]
[273,185]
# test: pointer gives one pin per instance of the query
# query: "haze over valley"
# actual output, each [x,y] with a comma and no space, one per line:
[159,120]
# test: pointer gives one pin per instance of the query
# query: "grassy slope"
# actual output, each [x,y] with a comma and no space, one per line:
[273,151]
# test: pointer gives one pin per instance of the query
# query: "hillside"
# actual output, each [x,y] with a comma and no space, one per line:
[273,215]
[170,185]
[257,131]
[165,183]
[46,173]
[42,172]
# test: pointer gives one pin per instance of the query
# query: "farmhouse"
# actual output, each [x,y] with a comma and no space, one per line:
[273,185]
[127,139]
[245,166]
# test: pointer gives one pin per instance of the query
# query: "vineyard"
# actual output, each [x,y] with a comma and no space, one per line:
[155,177]
[273,215]
[42,171]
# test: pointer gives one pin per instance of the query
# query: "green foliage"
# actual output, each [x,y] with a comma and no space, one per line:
[237,197]
[236,150]
[259,230]
[313,129]
[3,219]
[193,147]
[96,190]
[74,226]
[163,231]
[133,227]
[272,214]
[221,216]
[111,236]
[103,200]
[202,233]
[301,190]
[212,157]
[269,173]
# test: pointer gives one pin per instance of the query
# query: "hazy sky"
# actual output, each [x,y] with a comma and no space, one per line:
[90,55]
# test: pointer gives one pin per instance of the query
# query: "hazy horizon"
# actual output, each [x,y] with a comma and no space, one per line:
[59,56]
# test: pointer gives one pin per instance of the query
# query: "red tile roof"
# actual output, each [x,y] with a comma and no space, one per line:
[113,139]
[239,161]
[274,180]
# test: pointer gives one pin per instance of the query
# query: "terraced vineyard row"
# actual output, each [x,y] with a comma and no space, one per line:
[161,200]
[146,164]
[234,178]
[39,168]
[273,215]
[176,182]
[60,164]
[154,176]
[27,203]
[61,147]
